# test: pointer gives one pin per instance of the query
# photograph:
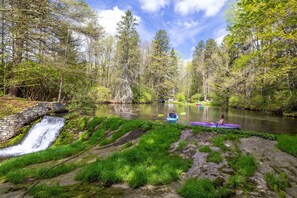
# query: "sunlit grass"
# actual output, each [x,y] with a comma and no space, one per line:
[21,175]
[245,165]
[42,156]
[146,163]
[288,144]
[202,188]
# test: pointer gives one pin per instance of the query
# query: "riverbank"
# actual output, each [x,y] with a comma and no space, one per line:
[138,158]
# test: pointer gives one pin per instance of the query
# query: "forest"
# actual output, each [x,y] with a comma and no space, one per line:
[58,51]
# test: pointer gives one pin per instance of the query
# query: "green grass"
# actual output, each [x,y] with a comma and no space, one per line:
[288,144]
[40,157]
[205,149]
[276,182]
[21,175]
[202,188]
[181,145]
[219,141]
[42,190]
[238,181]
[214,156]
[244,165]
[127,126]
[146,163]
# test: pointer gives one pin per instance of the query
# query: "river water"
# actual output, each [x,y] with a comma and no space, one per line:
[249,120]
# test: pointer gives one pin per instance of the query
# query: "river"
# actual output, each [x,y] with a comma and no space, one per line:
[249,120]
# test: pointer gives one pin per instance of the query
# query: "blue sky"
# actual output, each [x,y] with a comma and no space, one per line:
[186,21]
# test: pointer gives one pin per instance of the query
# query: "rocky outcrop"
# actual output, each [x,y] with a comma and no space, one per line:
[10,125]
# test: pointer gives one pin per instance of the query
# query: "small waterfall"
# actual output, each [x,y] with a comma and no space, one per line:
[40,137]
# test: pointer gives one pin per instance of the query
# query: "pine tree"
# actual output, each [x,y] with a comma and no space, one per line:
[127,57]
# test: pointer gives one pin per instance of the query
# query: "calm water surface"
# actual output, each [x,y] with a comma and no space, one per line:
[249,120]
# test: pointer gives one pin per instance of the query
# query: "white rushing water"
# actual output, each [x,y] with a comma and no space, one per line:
[40,137]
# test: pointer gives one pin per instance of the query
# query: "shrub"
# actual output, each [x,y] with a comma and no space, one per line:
[197,97]
[181,97]
[237,101]
[100,94]
[142,95]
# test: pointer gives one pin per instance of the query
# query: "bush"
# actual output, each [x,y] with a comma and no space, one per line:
[142,95]
[181,97]
[257,102]
[237,101]
[100,94]
[197,97]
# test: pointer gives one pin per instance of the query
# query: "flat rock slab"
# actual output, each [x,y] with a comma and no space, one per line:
[271,160]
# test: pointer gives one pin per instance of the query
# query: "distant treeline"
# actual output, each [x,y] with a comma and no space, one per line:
[57,50]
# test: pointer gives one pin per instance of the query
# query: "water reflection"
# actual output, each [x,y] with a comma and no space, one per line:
[249,120]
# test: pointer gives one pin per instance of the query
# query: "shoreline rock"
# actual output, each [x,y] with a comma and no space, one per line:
[10,125]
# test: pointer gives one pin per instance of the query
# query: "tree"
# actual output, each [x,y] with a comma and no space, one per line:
[162,66]
[197,69]
[127,57]
[263,43]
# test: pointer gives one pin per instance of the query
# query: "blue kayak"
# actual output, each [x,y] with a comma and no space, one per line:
[172,119]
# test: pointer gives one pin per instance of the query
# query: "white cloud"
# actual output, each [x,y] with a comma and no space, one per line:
[179,35]
[153,5]
[219,35]
[210,7]
[187,24]
[109,19]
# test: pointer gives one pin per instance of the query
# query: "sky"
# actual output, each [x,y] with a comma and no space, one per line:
[185,21]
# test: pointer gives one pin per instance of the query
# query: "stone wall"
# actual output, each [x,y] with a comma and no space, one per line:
[10,125]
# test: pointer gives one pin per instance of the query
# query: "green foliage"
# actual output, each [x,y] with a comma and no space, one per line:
[42,190]
[181,145]
[288,144]
[112,123]
[204,188]
[128,144]
[219,141]
[181,97]
[94,122]
[197,129]
[22,175]
[238,181]
[276,182]
[197,97]
[100,94]
[244,165]
[142,95]
[214,156]
[146,163]
[40,157]
[237,101]
[205,149]
[97,136]
[82,123]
